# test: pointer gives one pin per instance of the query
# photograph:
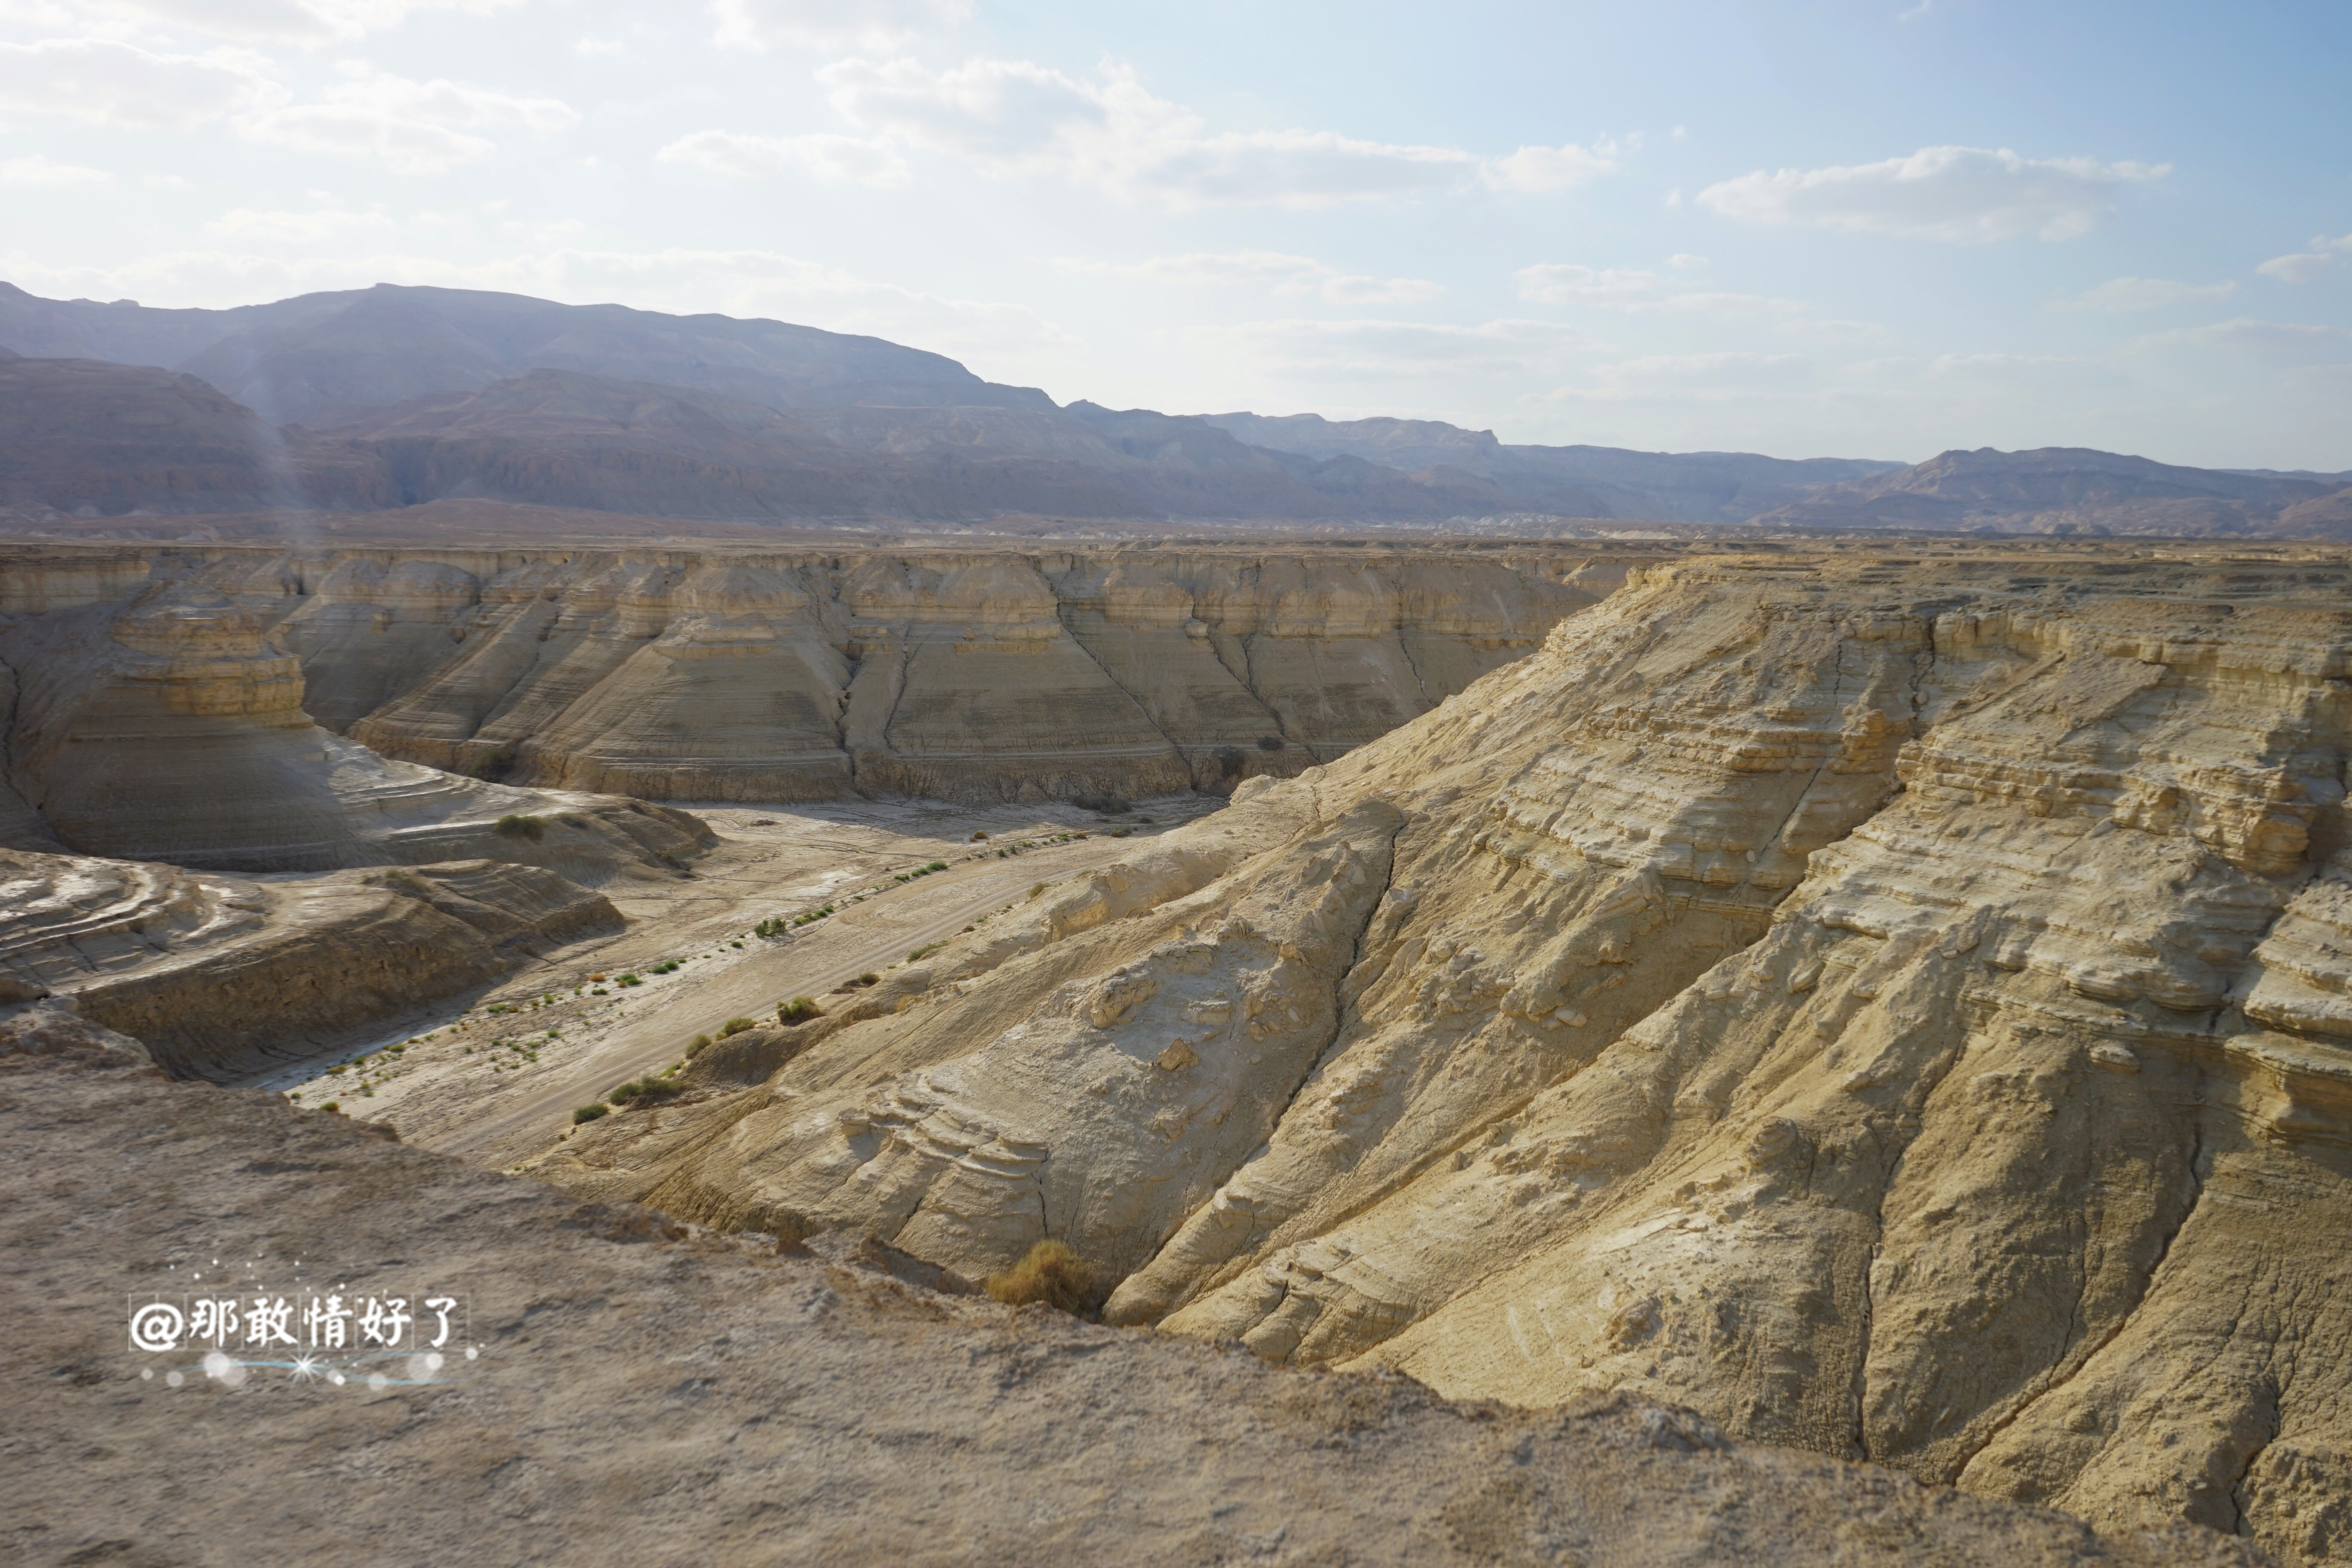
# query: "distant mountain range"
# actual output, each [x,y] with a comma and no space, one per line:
[391,397]
[2073,488]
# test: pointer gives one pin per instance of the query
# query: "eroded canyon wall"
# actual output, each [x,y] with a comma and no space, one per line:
[979,674]
[224,976]
[1900,1008]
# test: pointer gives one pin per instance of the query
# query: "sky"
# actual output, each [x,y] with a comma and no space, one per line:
[1871,230]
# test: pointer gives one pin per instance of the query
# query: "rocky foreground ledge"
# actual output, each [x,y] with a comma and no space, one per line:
[646,1394]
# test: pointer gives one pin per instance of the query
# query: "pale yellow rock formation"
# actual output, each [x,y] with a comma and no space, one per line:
[222,977]
[981,675]
[173,727]
[1899,1008]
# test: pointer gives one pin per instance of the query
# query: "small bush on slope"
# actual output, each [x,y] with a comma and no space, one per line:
[1052,1274]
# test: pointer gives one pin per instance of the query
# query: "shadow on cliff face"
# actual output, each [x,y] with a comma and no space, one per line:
[173,730]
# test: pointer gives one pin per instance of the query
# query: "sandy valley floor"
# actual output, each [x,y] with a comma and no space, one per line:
[493,1077]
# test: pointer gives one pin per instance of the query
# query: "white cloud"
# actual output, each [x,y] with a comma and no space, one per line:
[1685,261]
[2121,295]
[1958,193]
[414,127]
[1015,117]
[1542,171]
[1832,329]
[2305,265]
[321,226]
[1633,291]
[2008,367]
[284,21]
[824,156]
[101,82]
[1401,351]
[39,174]
[833,24]
[2264,340]
[1271,270]
[1702,377]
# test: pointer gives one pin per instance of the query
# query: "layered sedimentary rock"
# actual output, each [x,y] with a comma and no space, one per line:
[784,675]
[1902,1009]
[222,977]
[159,720]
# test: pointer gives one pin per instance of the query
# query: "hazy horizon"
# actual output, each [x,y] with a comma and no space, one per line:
[1870,231]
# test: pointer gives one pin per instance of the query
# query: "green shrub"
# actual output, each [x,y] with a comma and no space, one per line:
[925,950]
[333,1106]
[734,1027]
[1052,1274]
[870,978]
[798,1010]
[699,1042]
[651,1087]
[531,827]
[590,1112]
[628,980]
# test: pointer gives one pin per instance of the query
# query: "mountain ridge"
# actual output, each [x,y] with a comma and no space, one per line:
[764,420]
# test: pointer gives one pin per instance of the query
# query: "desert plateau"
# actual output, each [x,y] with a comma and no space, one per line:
[934,784]
[1886,1007]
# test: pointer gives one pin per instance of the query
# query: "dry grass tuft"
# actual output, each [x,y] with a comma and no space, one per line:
[1052,1274]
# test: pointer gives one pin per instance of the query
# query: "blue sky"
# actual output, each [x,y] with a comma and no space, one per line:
[1849,229]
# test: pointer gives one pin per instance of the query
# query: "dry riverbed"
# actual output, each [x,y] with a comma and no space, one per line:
[841,890]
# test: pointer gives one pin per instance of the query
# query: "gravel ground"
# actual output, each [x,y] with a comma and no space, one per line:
[643,1394]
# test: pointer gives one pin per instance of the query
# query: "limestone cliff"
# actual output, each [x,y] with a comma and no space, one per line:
[157,720]
[1899,1008]
[980,675]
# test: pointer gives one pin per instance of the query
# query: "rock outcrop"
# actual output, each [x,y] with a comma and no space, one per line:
[158,721]
[221,977]
[978,675]
[1897,1008]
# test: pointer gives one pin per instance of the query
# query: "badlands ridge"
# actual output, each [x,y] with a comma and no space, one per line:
[1896,1006]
